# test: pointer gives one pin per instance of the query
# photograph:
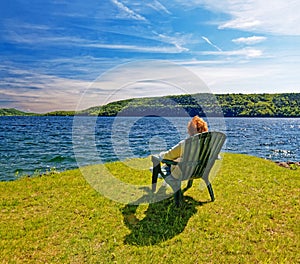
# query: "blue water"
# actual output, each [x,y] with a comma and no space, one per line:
[35,145]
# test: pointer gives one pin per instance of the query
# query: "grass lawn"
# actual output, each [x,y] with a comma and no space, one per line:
[60,218]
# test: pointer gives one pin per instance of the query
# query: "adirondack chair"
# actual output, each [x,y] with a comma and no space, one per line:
[199,155]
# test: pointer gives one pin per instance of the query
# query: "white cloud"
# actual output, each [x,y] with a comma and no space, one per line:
[143,79]
[275,17]
[281,17]
[242,24]
[32,39]
[127,12]
[265,77]
[178,40]
[40,92]
[249,40]
[36,92]
[247,52]
[30,91]
[156,5]
[134,48]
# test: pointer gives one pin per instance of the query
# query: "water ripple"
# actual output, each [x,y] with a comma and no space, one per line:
[39,144]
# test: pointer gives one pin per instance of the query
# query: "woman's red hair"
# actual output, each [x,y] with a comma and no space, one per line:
[197,125]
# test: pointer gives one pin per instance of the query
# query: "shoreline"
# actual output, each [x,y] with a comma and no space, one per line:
[74,114]
[293,165]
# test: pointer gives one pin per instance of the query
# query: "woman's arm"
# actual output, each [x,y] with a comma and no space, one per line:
[173,153]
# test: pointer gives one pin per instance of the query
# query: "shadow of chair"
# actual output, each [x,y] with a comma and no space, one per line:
[162,220]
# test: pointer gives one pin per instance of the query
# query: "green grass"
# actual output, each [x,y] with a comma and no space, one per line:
[60,218]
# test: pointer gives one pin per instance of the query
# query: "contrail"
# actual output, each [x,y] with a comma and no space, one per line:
[209,42]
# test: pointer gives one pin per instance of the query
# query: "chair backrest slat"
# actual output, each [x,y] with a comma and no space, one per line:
[199,154]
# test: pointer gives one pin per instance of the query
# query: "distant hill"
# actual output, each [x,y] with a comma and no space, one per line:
[260,105]
[60,113]
[13,112]
[229,105]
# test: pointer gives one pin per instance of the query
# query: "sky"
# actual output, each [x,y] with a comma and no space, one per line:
[66,55]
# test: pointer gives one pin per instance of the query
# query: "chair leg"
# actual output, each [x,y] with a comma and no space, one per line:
[211,192]
[178,198]
[176,187]
[155,172]
[189,184]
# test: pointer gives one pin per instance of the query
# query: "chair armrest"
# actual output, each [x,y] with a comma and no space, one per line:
[155,160]
[169,162]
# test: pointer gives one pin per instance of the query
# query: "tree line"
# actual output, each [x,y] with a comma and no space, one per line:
[202,104]
[228,105]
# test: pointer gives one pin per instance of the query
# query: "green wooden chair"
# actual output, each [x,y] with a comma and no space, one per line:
[199,155]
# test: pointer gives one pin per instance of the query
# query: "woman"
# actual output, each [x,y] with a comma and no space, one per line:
[195,126]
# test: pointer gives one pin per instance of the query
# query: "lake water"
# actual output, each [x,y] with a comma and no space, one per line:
[34,145]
